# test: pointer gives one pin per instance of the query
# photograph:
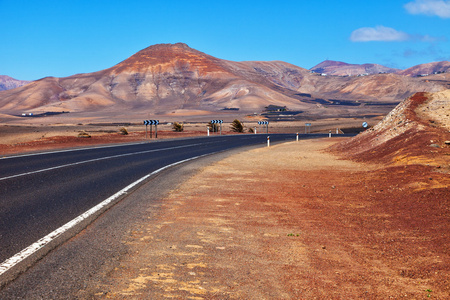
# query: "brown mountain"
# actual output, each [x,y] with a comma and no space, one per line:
[160,79]
[339,68]
[172,79]
[427,69]
[7,83]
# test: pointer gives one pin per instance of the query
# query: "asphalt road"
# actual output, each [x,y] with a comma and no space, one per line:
[41,192]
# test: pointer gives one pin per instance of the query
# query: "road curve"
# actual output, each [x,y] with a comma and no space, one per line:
[39,193]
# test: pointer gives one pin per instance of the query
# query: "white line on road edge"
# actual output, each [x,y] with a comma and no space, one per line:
[27,252]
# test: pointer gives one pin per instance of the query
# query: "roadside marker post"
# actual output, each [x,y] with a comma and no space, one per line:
[207,131]
[329,134]
[296,137]
[268,141]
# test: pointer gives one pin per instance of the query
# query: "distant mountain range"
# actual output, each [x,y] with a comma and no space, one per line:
[171,79]
[338,68]
[427,69]
[7,83]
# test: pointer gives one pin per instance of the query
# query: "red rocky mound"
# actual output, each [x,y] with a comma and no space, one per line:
[417,131]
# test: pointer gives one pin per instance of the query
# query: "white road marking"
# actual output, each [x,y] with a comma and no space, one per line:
[70,150]
[27,252]
[95,159]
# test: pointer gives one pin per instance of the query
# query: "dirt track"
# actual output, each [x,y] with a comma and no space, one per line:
[292,222]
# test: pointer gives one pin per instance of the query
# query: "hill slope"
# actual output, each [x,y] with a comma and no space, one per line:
[417,131]
[7,83]
[427,69]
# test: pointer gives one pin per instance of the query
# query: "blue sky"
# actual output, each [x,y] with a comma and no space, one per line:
[62,38]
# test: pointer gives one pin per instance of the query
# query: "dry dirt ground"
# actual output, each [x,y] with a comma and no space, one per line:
[292,221]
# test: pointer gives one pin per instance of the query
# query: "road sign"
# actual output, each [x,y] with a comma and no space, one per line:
[264,123]
[151,122]
[217,122]
[364,124]
[307,128]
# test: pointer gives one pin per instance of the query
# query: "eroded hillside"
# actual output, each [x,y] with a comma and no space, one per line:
[417,131]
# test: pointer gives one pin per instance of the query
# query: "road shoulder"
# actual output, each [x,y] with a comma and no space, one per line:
[290,222]
[99,248]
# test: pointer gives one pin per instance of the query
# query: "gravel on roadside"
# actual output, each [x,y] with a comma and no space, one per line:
[291,222]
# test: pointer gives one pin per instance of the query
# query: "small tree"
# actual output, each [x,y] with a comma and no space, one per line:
[237,126]
[177,127]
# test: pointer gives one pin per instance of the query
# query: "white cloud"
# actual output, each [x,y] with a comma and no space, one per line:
[438,8]
[378,33]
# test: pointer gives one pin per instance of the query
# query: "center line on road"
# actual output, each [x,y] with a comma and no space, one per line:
[30,250]
[95,159]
